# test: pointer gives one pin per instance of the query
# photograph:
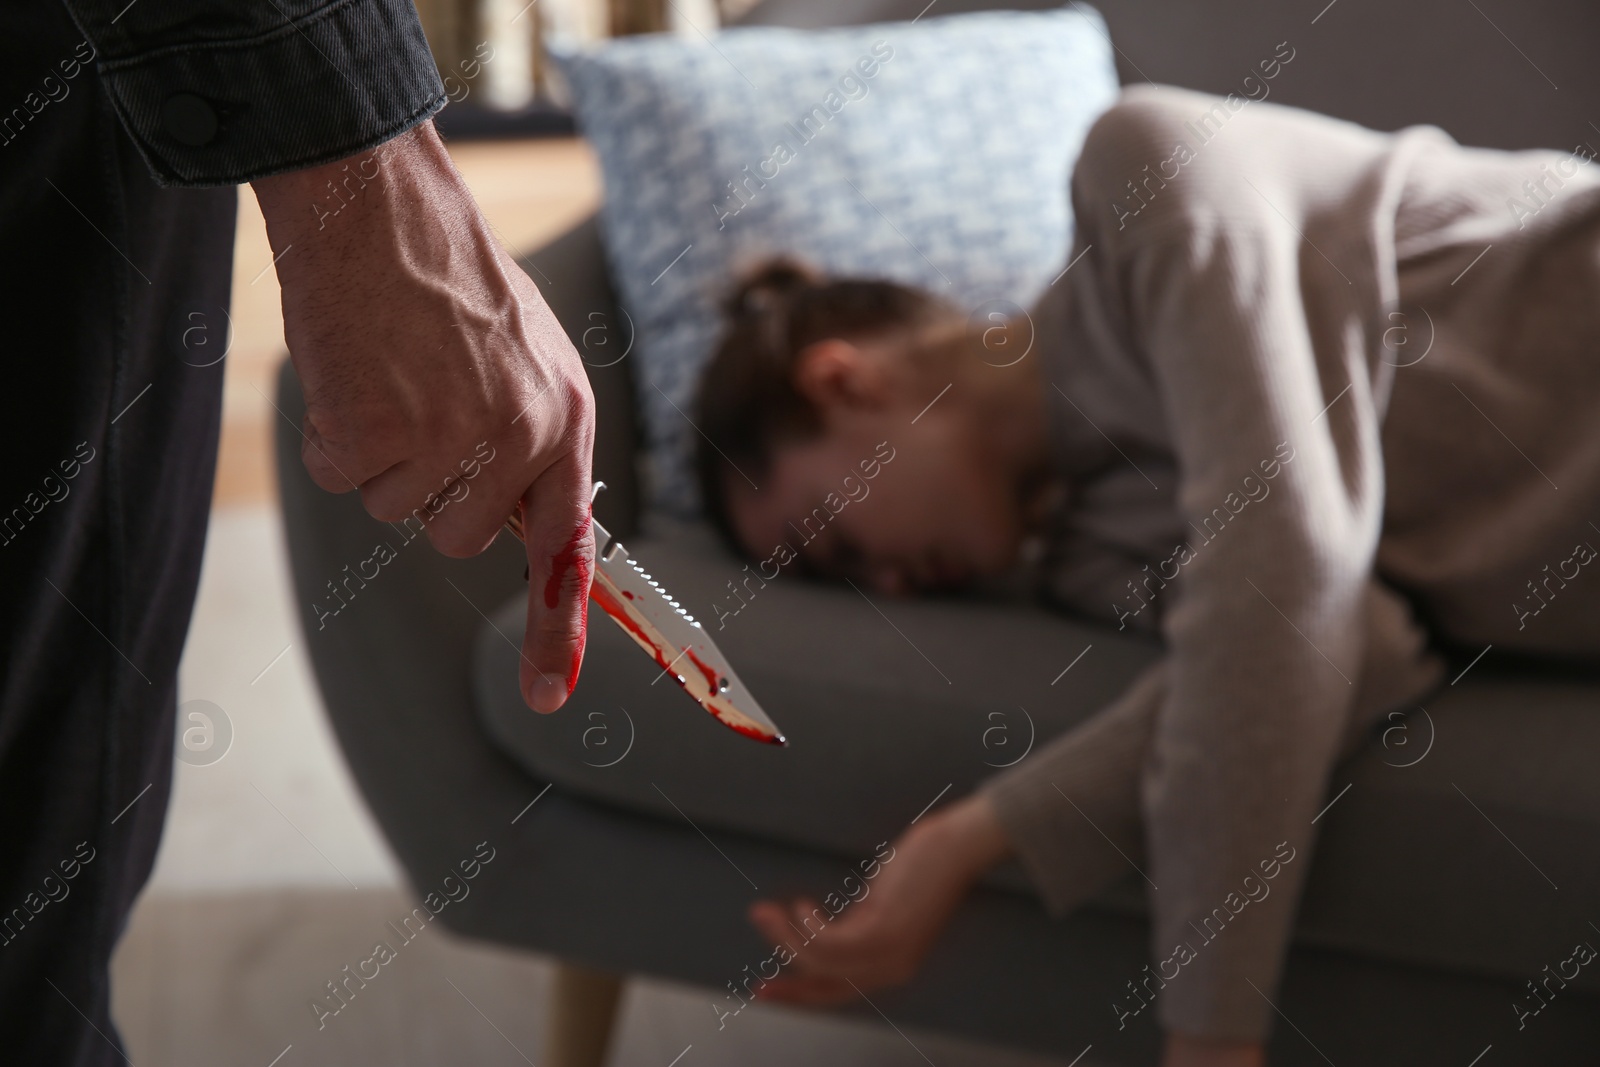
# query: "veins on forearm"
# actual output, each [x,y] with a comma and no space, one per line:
[350,185]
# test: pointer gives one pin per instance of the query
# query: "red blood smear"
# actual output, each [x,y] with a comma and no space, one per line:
[711,675]
[568,559]
[627,594]
[617,610]
[614,607]
[577,653]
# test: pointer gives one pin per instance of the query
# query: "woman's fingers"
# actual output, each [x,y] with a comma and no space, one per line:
[799,982]
[806,927]
[798,989]
[861,945]
[879,938]
[772,920]
[851,943]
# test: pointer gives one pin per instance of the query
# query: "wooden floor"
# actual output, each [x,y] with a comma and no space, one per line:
[530,191]
[243,978]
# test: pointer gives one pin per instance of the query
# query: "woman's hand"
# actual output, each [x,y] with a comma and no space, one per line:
[1184,1051]
[880,939]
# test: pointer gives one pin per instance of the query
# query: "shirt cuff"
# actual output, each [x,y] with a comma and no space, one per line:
[322,87]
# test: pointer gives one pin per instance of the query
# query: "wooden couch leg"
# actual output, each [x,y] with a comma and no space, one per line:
[583,1005]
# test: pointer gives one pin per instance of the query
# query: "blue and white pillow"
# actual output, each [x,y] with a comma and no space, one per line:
[936,153]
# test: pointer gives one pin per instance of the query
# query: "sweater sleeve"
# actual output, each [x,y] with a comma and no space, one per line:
[1265,639]
[1260,346]
[1072,812]
[216,93]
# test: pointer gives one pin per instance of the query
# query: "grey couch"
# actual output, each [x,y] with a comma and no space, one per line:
[1461,862]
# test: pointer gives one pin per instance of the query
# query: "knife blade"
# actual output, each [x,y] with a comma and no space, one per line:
[677,642]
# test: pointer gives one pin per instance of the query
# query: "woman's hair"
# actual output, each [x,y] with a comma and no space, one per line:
[748,403]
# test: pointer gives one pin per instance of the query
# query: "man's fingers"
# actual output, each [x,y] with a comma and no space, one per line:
[324,472]
[462,506]
[560,543]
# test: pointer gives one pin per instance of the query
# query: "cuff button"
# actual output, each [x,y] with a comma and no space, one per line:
[189,120]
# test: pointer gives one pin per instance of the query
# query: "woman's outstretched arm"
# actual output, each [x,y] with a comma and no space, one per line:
[1250,290]
[1071,813]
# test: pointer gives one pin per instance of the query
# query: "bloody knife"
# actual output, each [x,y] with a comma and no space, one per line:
[678,643]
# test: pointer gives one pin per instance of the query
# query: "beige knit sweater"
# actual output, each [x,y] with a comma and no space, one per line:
[1299,366]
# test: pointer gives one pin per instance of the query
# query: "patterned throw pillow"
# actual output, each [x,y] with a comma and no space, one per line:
[935,152]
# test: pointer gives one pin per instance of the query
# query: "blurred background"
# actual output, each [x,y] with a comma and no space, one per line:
[274,880]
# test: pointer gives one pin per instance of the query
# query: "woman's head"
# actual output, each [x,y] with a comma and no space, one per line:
[844,418]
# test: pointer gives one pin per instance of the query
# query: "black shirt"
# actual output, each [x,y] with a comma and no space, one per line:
[218,92]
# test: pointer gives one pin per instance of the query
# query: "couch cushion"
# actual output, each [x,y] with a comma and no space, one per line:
[937,153]
[1469,836]
[1470,832]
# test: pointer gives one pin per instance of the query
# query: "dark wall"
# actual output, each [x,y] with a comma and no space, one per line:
[1498,73]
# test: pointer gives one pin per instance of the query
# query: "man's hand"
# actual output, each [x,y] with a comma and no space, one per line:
[437,381]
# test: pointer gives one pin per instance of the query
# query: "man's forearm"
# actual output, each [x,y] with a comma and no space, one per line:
[421,345]
[314,209]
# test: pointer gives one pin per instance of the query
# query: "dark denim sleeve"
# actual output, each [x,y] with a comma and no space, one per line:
[216,92]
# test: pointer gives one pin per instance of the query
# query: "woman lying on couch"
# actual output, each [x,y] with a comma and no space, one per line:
[1301,404]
